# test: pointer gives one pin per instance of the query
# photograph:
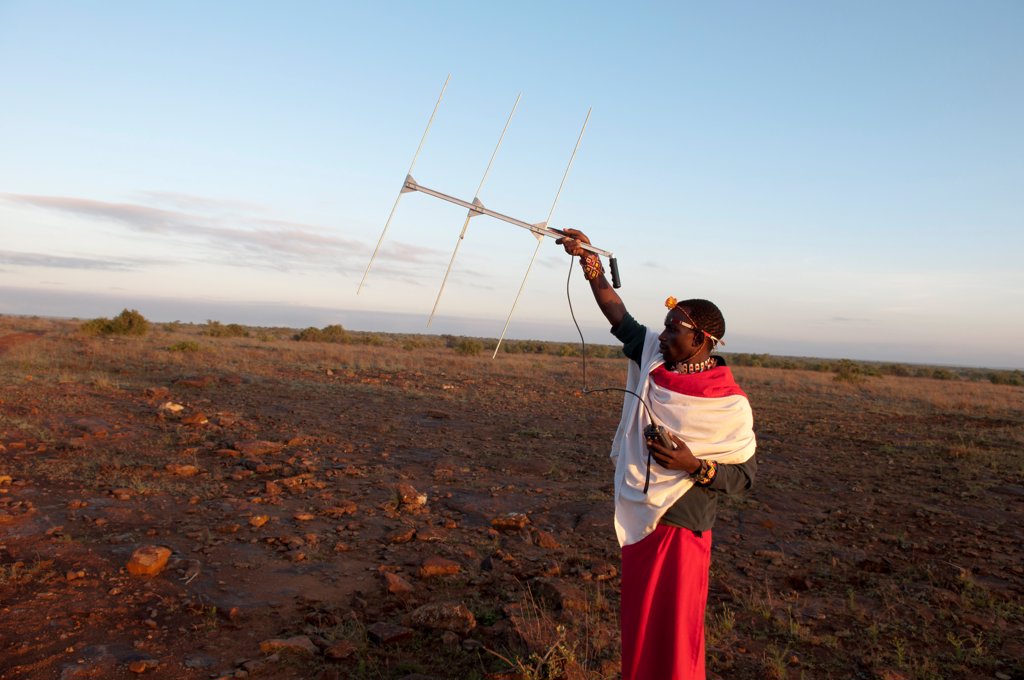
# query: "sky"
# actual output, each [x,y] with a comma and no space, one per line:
[843,179]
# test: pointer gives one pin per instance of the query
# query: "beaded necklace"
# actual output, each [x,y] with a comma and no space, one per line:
[708,363]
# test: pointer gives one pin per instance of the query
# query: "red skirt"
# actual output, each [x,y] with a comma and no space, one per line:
[664,595]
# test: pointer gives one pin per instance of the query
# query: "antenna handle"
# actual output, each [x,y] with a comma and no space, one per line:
[614,264]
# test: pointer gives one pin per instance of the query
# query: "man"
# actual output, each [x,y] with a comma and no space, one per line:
[664,511]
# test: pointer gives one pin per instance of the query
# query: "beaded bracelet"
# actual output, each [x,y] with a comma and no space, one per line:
[706,474]
[592,267]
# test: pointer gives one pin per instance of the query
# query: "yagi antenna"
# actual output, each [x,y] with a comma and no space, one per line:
[471,214]
[399,197]
[476,208]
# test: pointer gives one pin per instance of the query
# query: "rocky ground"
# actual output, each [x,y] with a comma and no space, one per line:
[272,509]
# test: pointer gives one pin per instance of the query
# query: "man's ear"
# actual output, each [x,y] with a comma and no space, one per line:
[698,339]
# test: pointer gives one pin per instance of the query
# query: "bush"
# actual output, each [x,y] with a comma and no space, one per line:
[899,370]
[184,346]
[469,347]
[215,329]
[847,370]
[1007,378]
[333,333]
[309,335]
[128,322]
[568,351]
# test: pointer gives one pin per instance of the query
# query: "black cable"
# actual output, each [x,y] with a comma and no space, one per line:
[588,391]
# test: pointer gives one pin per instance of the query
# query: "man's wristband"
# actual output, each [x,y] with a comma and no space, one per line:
[592,267]
[706,473]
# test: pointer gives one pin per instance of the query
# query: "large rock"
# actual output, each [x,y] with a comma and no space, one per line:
[444,616]
[149,560]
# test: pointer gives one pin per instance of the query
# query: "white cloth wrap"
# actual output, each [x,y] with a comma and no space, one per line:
[716,428]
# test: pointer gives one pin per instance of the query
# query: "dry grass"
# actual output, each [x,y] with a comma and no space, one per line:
[882,538]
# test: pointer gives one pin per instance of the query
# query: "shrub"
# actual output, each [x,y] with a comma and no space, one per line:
[1007,378]
[333,333]
[215,329]
[128,322]
[568,351]
[185,346]
[469,347]
[309,335]
[847,370]
[899,370]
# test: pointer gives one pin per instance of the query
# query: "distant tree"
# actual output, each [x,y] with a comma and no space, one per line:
[128,322]
[469,347]
[849,371]
[215,329]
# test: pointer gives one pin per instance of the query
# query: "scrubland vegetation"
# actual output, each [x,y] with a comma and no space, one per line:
[335,490]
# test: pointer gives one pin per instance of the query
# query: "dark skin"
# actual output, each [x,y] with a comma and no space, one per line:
[678,344]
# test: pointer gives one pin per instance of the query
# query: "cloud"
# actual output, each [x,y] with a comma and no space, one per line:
[198,203]
[244,240]
[61,262]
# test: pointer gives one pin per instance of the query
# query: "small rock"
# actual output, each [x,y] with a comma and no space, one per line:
[143,665]
[401,536]
[543,539]
[149,560]
[513,521]
[304,516]
[196,418]
[156,393]
[454,617]
[199,661]
[561,595]
[253,665]
[384,633]
[198,383]
[438,566]
[409,497]
[171,407]
[299,644]
[257,447]
[342,649]
[182,470]
[259,520]
[397,585]
[429,535]
[341,509]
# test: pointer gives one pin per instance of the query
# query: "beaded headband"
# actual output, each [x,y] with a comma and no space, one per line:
[672,303]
